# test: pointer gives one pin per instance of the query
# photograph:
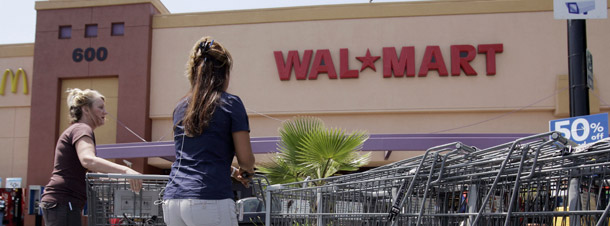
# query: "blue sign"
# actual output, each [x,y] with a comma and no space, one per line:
[582,129]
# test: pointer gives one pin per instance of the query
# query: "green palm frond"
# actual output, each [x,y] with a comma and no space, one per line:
[281,171]
[329,151]
[308,148]
[292,133]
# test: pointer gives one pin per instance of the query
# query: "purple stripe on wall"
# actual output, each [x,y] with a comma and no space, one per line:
[376,142]
[136,150]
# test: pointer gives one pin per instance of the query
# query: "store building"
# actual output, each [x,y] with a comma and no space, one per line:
[412,74]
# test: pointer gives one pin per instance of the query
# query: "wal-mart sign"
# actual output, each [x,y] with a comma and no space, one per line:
[580,9]
[582,129]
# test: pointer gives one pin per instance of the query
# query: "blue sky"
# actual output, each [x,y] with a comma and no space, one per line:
[18,17]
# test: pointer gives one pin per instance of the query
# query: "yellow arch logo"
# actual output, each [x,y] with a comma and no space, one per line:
[14,81]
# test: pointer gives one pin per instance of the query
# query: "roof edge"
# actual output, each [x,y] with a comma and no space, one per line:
[350,11]
[17,50]
[48,5]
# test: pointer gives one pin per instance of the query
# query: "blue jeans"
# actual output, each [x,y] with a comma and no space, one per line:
[56,214]
[199,212]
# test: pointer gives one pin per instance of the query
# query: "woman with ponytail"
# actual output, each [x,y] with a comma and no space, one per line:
[210,128]
[65,194]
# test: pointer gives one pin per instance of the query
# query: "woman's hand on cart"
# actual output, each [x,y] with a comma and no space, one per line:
[135,184]
[244,176]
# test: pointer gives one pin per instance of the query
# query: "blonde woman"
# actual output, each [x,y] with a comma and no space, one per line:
[65,194]
[210,128]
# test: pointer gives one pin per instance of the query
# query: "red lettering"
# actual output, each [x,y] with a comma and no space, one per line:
[344,65]
[393,64]
[292,61]
[490,50]
[457,61]
[433,60]
[322,63]
[406,60]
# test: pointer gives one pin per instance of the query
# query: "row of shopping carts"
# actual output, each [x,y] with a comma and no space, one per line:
[541,180]
[111,202]
[533,181]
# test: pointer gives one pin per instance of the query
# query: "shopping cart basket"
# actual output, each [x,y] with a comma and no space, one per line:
[251,210]
[111,202]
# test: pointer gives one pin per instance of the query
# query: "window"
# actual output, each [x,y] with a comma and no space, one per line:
[91,30]
[118,29]
[65,32]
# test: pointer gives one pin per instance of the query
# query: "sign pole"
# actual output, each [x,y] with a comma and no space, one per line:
[577,12]
[579,95]
[577,47]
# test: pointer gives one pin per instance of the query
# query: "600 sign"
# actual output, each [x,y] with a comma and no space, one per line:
[89,54]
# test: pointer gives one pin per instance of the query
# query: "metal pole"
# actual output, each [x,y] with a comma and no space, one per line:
[473,195]
[319,206]
[577,47]
[579,95]
[268,208]
[574,200]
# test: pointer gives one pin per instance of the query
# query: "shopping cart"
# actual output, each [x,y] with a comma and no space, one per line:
[540,180]
[110,201]
[251,210]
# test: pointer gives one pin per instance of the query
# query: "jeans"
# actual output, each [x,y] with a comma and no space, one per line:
[55,214]
[199,212]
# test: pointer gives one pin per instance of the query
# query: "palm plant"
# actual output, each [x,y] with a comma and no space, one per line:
[308,149]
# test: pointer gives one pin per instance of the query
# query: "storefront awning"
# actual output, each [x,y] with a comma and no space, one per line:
[376,142]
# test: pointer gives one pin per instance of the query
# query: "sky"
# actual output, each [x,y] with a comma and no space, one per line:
[18,17]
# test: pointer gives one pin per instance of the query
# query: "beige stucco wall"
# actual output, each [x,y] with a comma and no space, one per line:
[520,98]
[15,112]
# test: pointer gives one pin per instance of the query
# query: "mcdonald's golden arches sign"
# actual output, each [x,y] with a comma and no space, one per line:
[8,73]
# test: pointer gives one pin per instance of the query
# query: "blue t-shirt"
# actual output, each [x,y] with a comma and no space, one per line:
[202,167]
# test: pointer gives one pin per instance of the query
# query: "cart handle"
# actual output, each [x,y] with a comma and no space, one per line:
[128,176]
[458,148]
[555,137]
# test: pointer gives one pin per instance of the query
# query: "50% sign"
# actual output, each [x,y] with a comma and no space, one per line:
[582,129]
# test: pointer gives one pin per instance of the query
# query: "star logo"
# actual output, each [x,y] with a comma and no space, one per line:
[368,60]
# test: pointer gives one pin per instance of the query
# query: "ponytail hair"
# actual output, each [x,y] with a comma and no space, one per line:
[78,98]
[208,71]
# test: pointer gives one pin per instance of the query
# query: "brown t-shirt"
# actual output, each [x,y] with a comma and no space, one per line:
[67,184]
